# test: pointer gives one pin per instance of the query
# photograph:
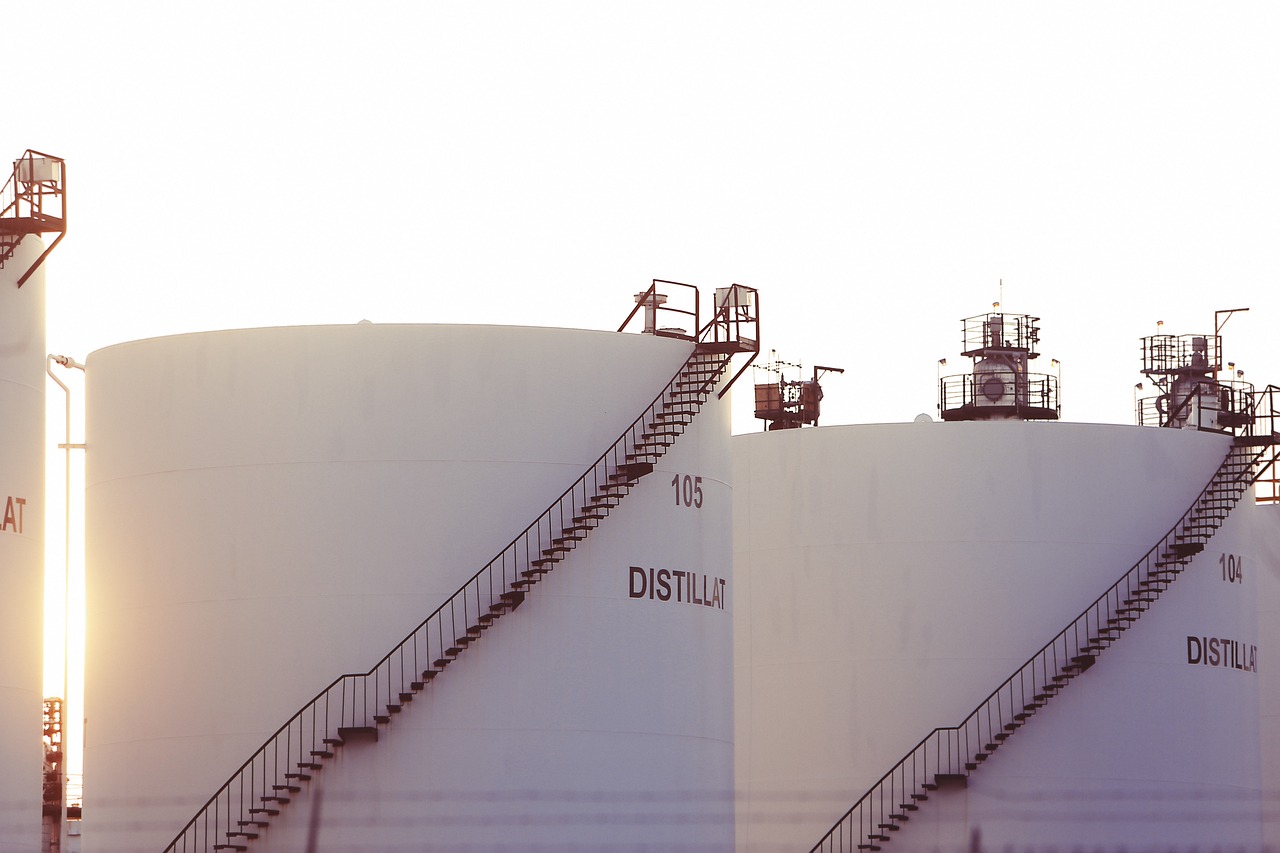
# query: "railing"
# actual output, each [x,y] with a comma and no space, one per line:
[656,306]
[362,700]
[1028,395]
[1000,331]
[32,201]
[956,750]
[1215,405]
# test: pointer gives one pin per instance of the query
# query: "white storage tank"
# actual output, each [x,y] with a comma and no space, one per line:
[1266,530]
[891,577]
[269,509]
[22,384]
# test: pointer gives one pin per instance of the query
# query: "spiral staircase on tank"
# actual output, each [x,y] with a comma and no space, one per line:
[360,706]
[946,756]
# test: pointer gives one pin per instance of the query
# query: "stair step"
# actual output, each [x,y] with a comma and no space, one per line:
[309,765]
[394,709]
[900,818]
[892,827]
[264,810]
[242,834]
[292,789]
[355,733]
[333,741]
[274,798]
[261,824]
[909,807]
[438,664]
[230,846]
[634,470]
[321,753]
[302,777]
[406,697]
[381,718]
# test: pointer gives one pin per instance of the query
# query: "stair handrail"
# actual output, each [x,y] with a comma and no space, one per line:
[1029,668]
[613,456]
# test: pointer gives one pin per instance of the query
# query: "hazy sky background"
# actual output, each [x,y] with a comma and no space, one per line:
[874,169]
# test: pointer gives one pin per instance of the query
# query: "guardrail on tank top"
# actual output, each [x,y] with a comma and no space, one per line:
[956,750]
[359,701]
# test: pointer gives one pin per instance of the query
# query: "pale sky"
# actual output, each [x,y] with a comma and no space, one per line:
[874,169]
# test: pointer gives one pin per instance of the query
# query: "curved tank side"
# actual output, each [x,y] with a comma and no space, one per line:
[891,576]
[22,400]
[270,508]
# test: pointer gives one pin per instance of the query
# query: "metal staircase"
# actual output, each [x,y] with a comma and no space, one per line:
[946,756]
[358,706]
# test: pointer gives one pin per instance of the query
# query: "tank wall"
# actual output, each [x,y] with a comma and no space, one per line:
[1266,530]
[891,576]
[268,509]
[22,471]
[594,717]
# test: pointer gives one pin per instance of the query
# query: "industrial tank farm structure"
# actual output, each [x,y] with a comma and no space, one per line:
[22,382]
[32,203]
[271,508]
[891,577]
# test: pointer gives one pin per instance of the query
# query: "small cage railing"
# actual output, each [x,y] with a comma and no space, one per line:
[1170,354]
[1000,331]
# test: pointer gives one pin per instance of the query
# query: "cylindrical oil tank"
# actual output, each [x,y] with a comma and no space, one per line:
[892,576]
[269,509]
[22,384]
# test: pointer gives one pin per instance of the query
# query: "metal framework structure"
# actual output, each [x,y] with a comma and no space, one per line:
[33,201]
[1185,370]
[999,384]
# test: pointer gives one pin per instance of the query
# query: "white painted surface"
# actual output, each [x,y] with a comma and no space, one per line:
[22,385]
[1267,544]
[891,576]
[270,508]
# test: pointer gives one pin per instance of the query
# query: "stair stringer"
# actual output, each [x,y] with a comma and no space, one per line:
[359,706]
[947,755]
